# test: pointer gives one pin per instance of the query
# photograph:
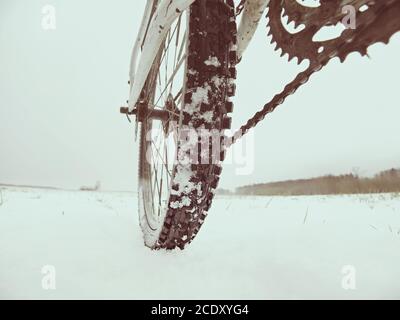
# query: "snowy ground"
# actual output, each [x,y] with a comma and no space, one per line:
[249,248]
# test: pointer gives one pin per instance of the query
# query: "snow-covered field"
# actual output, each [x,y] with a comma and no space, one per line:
[249,248]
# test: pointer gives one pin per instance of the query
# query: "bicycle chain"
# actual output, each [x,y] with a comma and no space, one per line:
[376,24]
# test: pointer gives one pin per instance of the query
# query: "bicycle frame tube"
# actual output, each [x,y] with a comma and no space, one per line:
[167,12]
[253,10]
[140,39]
[152,34]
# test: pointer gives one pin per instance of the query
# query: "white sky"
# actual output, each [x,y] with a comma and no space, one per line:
[60,93]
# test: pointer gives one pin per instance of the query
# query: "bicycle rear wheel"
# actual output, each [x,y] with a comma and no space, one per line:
[192,79]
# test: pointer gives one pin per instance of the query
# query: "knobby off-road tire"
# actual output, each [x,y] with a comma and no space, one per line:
[210,73]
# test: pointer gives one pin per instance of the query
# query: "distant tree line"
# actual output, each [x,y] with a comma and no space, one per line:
[385,181]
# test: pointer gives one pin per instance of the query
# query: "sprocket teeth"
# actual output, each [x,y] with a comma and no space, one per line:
[386,40]
[272,41]
[290,20]
[363,51]
[343,56]
[297,24]
[270,27]
[383,17]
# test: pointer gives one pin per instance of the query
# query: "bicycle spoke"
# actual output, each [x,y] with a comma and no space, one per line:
[168,89]
[166,166]
[171,78]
